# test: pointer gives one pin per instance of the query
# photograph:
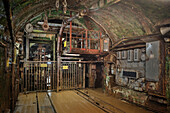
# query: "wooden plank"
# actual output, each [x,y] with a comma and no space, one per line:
[26,103]
[44,103]
[131,47]
[70,102]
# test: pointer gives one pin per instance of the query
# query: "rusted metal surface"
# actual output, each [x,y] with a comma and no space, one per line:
[85,42]
[84,51]
[157,87]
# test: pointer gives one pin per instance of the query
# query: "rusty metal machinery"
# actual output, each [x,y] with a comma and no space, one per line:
[45,25]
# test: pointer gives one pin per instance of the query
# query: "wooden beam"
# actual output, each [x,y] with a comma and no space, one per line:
[131,47]
[128,43]
[145,38]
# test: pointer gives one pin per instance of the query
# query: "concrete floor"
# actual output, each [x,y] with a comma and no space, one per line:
[72,102]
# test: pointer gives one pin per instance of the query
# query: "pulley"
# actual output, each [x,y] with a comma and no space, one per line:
[45,25]
[64,6]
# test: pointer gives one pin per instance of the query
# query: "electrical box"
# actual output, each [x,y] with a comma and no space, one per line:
[130,55]
[106,44]
[124,55]
[137,54]
[119,55]
[153,68]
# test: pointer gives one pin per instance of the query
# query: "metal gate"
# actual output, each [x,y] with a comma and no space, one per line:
[72,75]
[40,75]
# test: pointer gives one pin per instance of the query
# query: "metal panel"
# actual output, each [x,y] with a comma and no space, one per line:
[124,54]
[130,55]
[137,55]
[152,65]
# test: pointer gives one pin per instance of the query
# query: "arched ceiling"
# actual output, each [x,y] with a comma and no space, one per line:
[119,18]
[130,18]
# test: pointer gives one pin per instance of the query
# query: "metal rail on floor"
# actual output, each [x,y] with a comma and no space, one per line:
[51,103]
[37,103]
[93,101]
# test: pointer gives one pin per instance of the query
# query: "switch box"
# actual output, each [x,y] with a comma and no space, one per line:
[137,54]
[124,55]
[119,55]
[130,55]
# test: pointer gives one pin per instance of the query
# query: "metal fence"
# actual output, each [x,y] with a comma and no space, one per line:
[72,75]
[40,75]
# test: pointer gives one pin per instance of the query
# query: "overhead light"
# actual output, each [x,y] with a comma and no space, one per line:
[164,30]
[72,54]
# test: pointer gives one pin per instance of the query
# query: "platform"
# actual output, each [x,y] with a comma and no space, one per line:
[73,101]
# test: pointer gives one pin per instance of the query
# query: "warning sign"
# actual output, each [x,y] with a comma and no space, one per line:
[65,67]
[43,65]
[65,43]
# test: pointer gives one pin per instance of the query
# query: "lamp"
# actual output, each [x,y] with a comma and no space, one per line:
[151,56]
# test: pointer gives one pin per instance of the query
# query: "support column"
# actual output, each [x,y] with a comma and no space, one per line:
[12,77]
[27,48]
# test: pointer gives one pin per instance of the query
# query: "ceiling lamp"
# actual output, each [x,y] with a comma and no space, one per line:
[164,30]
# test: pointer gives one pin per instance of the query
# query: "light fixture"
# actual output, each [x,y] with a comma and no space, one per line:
[151,56]
[164,30]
